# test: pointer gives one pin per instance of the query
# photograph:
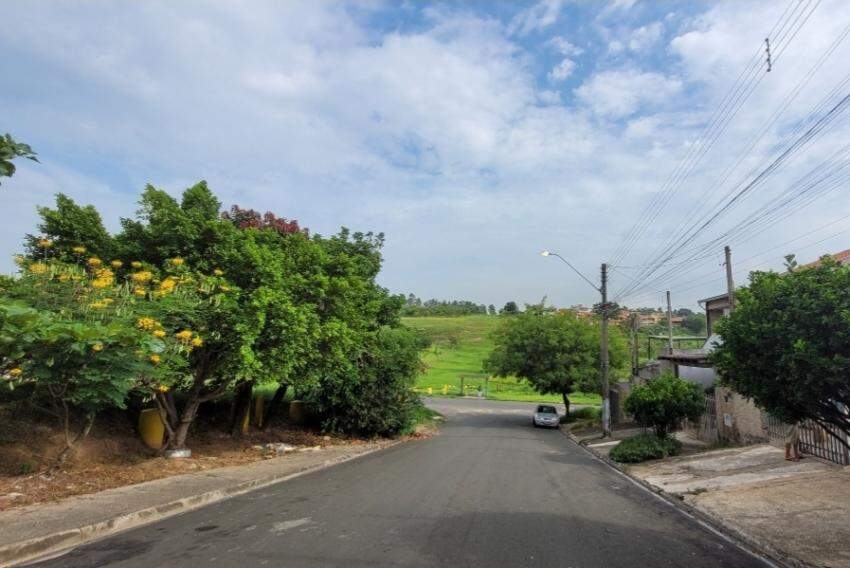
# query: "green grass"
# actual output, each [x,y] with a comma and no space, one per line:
[459,347]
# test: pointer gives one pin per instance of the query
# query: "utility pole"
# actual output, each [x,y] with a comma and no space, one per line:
[669,325]
[730,286]
[633,325]
[603,356]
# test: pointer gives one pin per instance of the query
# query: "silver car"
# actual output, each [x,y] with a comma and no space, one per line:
[546,416]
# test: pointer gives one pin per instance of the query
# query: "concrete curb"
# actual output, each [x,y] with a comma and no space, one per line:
[752,544]
[52,544]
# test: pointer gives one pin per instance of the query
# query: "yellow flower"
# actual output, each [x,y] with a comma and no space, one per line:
[197,341]
[168,284]
[116,264]
[97,347]
[79,250]
[45,243]
[176,261]
[218,272]
[64,277]
[94,262]
[136,264]
[143,276]
[147,324]
[38,268]
[139,292]
[16,372]
[155,358]
[162,388]
[158,333]
[97,305]
[184,335]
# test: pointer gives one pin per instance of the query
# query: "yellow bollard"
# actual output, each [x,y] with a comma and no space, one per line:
[296,412]
[430,391]
[445,389]
[151,428]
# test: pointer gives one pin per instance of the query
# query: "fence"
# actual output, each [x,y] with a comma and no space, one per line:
[814,439]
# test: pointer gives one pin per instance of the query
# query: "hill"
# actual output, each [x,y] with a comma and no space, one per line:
[459,347]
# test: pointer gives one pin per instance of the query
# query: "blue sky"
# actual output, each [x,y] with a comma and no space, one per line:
[474,134]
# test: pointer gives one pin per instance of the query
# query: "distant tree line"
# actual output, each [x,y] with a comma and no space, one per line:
[414,307]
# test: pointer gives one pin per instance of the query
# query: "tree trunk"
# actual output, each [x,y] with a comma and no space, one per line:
[70,443]
[274,405]
[566,404]
[178,442]
[241,407]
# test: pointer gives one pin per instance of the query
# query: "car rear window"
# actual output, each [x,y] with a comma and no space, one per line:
[547,410]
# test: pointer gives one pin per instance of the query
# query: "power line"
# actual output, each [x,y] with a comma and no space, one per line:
[729,106]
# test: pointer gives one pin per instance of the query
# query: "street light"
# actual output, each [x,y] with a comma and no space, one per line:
[603,339]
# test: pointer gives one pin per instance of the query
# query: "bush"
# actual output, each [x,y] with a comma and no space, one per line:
[664,402]
[645,447]
[372,394]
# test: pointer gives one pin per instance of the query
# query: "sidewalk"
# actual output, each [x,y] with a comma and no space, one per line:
[794,512]
[38,530]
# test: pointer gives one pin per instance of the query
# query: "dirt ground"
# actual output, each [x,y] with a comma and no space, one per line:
[113,455]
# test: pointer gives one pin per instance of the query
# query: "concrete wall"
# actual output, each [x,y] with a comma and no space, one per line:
[705,376]
[738,419]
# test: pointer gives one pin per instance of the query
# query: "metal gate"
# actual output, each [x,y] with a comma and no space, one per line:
[815,440]
[706,426]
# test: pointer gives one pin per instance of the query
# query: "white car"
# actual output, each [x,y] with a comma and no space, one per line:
[545,416]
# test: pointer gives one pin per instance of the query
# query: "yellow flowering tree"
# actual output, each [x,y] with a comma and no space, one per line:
[81,340]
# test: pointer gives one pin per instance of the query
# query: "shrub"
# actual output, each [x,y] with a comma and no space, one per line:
[664,402]
[372,394]
[645,447]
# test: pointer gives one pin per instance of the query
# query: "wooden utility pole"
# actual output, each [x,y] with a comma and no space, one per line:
[730,285]
[603,356]
[669,325]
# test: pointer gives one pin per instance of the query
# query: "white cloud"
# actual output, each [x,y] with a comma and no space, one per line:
[565,47]
[562,70]
[620,93]
[540,16]
[441,135]
[646,36]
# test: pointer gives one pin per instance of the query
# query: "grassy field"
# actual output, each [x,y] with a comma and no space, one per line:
[460,346]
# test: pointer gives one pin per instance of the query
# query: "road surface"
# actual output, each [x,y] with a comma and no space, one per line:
[489,491]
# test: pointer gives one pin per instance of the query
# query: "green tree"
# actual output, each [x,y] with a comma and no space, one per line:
[9,150]
[290,308]
[664,402]
[787,344]
[491,310]
[72,336]
[556,353]
[71,227]
[694,323]
[510,308]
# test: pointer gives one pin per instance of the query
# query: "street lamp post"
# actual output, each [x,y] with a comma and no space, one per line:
[603,340]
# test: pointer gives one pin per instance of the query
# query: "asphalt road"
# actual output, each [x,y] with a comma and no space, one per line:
[489,491]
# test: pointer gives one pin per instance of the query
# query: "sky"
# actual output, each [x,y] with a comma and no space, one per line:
[473,134]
